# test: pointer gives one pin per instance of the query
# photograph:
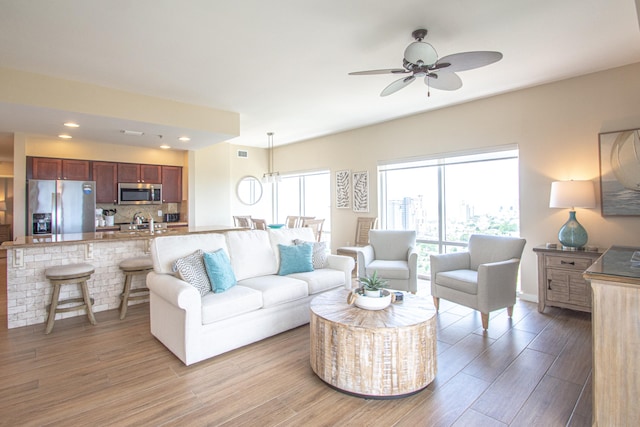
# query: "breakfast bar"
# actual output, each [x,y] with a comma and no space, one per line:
[28,290]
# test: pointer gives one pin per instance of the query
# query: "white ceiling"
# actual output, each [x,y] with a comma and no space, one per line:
[284,64]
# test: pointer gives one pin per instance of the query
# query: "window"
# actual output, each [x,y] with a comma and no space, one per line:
[305,195]
[446,199]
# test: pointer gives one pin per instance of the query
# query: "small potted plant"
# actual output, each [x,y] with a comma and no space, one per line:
[372,286]
[371,295]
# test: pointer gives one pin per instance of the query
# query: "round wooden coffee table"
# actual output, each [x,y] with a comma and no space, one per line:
[373,353]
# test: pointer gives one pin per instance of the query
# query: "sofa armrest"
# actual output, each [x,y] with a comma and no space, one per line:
[344,264]
[177,293]
[497,282]
[365,257]
[448,262]
[412,262]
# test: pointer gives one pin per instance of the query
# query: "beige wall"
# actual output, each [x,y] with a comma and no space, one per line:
[556,127]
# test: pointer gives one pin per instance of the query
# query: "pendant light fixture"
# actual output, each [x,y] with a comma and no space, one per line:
[271,176]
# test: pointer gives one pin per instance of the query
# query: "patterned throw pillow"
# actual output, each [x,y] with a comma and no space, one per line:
[295,259]
[319,253]
[219,270]
[191,269]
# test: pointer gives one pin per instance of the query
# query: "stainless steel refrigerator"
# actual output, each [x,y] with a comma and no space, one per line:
[61,207]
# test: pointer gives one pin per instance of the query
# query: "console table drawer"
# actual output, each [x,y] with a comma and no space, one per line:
[574,263]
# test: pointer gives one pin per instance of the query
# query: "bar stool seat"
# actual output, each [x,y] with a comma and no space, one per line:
[132,267]
[70,274]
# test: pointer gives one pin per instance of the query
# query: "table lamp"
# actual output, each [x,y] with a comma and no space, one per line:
[572,194]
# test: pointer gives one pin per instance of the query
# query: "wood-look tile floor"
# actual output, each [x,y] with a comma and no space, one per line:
[531,370]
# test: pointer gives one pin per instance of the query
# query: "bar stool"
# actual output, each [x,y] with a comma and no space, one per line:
[70,274]
[132,267]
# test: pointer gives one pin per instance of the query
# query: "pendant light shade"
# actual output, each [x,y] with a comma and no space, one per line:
[271,176]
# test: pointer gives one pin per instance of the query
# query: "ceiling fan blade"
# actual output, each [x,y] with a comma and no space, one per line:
[444,80]
[385,71]
[469,60]
[397,85]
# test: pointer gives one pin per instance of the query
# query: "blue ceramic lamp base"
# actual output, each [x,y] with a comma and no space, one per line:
[572,235]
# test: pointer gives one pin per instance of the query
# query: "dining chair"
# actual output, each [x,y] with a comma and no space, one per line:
[302,219]
[242,221]
[259,224]
[315,225]
[292,221]
[364,225]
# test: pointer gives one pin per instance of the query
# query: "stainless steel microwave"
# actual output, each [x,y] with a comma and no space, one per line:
[139,193]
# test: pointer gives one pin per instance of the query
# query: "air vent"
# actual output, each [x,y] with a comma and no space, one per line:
[243,154]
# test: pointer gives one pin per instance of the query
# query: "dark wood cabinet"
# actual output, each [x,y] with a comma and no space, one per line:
[77,170]
[133,172]
[171,184]
[151,174]
[105,174]
[46,168]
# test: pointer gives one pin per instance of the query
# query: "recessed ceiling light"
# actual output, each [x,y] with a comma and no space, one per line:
[184,139]
[165,146]
[65,136]
[72,125]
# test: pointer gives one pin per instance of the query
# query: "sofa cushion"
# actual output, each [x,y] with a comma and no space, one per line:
[277,289]
[461,280]
[319,257]
[321,280]
[191,269]
[219,270]
[165,250]
[295,258]
[233,302]
[389,269]
[251,253]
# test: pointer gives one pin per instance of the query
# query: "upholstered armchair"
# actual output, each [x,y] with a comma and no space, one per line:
[483,278]
[393,255]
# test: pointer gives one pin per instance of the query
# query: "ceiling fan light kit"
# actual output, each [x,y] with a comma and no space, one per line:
[421,60]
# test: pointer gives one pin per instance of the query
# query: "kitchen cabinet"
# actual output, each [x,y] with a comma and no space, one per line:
[105,174]
[171,184]
[48,168]
[560,280]
[133,172]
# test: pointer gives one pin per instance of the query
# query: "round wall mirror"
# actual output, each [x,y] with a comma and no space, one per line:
[249,190]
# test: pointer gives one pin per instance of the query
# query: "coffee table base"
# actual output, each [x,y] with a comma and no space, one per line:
[388,353]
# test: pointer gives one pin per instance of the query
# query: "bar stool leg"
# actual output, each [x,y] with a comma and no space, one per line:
[87,301]
[52,309]
[125,295]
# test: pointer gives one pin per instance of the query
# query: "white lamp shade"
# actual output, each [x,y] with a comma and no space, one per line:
[572,194]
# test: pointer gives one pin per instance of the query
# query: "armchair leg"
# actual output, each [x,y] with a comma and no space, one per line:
[510,311]
[485,320]
[436,302]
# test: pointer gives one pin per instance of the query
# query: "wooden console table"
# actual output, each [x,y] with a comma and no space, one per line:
[616,338]
[373,353]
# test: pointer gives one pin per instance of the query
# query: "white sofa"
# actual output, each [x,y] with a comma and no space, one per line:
[262,304]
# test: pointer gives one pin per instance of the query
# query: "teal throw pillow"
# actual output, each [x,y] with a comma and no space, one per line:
[295,259]
[219,270]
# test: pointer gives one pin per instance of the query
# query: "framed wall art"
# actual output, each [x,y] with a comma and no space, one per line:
[361,191]
[620,172]
[343,189]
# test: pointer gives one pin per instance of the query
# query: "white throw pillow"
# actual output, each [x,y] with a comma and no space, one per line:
[319,257]
[192,270]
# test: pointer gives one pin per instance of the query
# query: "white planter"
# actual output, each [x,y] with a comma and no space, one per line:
[372,294]
[374,303]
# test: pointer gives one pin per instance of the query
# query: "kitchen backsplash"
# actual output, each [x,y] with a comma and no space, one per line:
[124,213]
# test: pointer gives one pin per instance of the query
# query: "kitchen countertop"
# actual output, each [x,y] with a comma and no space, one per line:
[100,236]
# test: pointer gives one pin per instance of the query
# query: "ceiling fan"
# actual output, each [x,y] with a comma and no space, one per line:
[421,60]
